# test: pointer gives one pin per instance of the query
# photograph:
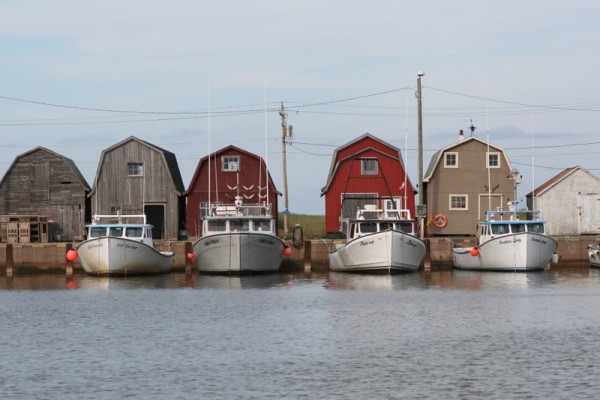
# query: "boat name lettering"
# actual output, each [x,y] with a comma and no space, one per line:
[538,240]
[94,246]
[211,242]
[266,241]
[366,243]
[127,246]
[508,241]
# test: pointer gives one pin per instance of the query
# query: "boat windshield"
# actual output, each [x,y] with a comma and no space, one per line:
[216,226]
[500,229]
[115,231]
[517,228]
[536,227]
[368,227]
[97,231]
[134,232]
[406,227]
[238,225]
[263,225]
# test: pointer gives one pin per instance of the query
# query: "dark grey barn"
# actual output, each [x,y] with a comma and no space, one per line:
[47,191]
[135,177]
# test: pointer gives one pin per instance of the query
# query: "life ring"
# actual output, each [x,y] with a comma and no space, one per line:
[440,221]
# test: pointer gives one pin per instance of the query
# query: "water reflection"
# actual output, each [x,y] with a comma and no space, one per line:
[573,275]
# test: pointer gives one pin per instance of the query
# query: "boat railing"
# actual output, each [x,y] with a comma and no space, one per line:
[512,215]
[246,210]
[378,213]
[119,218]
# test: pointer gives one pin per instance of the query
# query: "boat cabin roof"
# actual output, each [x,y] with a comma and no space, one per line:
[513,217]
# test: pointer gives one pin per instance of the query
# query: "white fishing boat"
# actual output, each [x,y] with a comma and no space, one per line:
[508,240]
[378,240]
[594,254]
[239,238]
[121,245]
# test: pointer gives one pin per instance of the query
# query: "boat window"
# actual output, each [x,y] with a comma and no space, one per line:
[406,227]
[537,228]
[263,225]
[368,227]
[97,231]
[216,226]
[115,231]
[238,225]
[134,232]
[384,226]
[516,228]
[499,229]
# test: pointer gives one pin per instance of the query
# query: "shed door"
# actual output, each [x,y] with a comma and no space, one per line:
[589,212]
[155,215]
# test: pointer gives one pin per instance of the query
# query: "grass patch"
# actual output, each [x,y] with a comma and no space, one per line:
[313,226]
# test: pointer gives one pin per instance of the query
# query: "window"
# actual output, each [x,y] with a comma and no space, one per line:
[114,210]
[368,166]
[493,160]
[458,202]
[451,160]
[135,169]
[230,163]
[134,232]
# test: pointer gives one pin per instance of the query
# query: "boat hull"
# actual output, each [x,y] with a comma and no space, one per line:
[520,252]
[382,251]
[120,256]
[238,253]
[594,255]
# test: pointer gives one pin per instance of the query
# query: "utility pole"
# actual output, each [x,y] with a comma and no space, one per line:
[286,131]
[421,212]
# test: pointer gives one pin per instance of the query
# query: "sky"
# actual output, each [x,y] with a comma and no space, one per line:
[195,76]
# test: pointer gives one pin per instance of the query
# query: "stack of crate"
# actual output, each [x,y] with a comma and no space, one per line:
[24,229]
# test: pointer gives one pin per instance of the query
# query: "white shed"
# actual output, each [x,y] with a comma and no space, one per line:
[570,202]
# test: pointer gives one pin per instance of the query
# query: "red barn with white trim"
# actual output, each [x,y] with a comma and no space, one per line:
[366,170]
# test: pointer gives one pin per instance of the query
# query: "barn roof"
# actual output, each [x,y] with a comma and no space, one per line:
[564,174]
[67,161]
[226,149]
[335,163]
[437,156]
[170,161]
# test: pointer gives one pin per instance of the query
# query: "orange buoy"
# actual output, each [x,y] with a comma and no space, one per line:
[474,252]
[72,255]
[287,251]
[191,255]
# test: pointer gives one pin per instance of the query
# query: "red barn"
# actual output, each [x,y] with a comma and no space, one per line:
[233,172]
[362,171]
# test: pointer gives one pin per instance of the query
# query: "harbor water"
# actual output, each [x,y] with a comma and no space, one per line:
[446,334]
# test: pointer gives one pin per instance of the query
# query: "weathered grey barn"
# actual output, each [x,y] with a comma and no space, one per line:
[569,202]
[135,177]
[43,198]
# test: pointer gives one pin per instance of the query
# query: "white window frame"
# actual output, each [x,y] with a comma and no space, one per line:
[229,162]
[446,154]
[135,169]
[493,153]
[388,205]
[465,196]
[363,162]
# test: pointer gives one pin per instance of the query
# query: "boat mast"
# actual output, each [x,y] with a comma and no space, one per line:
[421,208]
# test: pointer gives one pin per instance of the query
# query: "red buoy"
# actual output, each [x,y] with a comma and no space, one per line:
[287,251]
[72,255]
[191,255]
[474,252]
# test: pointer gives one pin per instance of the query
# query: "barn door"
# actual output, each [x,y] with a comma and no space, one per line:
[589,206]
[155,216]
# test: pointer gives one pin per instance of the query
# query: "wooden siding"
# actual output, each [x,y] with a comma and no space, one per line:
[470,178]
[116,189]
[43,183]
[223,185]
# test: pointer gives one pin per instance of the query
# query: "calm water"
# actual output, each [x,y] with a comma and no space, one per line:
[446,335]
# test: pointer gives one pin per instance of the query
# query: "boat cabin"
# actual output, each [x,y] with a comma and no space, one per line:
[371,219]
[115,227]
[511,222]
[239,218]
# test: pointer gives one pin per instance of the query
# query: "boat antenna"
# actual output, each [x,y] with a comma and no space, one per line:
[533,206]
[266,141]
[405,151]
[209,166]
